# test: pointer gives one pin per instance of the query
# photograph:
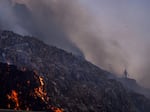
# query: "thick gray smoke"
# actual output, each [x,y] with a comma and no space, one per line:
[106,32]
[38,21]
[8,20]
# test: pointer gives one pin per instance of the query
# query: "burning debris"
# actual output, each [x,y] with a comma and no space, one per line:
[14,97]
[67,81]
[23,90]
[40,91]
[56,109]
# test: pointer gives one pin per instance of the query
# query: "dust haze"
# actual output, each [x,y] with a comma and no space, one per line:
[111,34]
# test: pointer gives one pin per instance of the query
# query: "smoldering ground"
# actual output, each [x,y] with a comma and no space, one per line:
[110,34]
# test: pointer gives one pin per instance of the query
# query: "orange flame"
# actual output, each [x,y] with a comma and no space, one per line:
[14,97]
[40,92]
[41,81]
[57,109]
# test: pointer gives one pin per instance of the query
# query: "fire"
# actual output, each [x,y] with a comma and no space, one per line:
[40,92]
[14,97]
[28,91]
[57,109]
[41,81]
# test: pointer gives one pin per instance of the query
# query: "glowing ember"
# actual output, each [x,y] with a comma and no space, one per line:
[57,109]
[41,81]
[40,92]
[14,97]
[27,90]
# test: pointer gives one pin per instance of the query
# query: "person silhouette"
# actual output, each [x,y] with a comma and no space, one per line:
[125,73]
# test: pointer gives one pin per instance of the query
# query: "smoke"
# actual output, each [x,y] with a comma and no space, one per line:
[8,19]
[35,19]
[111,34]
[76,21]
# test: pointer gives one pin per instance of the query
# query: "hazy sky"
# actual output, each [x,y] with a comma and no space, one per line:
[113,34]
[128,22]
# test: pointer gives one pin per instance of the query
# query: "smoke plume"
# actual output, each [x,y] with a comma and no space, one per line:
[111,34]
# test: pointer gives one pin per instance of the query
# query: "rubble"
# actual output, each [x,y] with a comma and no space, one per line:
[72,84]
[23,90]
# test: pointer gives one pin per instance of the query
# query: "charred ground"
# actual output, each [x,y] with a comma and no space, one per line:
[22,90]
[71,82]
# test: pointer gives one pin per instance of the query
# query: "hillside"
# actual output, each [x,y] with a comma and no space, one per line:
[71,82]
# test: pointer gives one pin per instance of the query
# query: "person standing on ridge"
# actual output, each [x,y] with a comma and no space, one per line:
[125,73]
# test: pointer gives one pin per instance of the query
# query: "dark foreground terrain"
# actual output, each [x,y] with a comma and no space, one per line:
[33,73]
[23,90]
